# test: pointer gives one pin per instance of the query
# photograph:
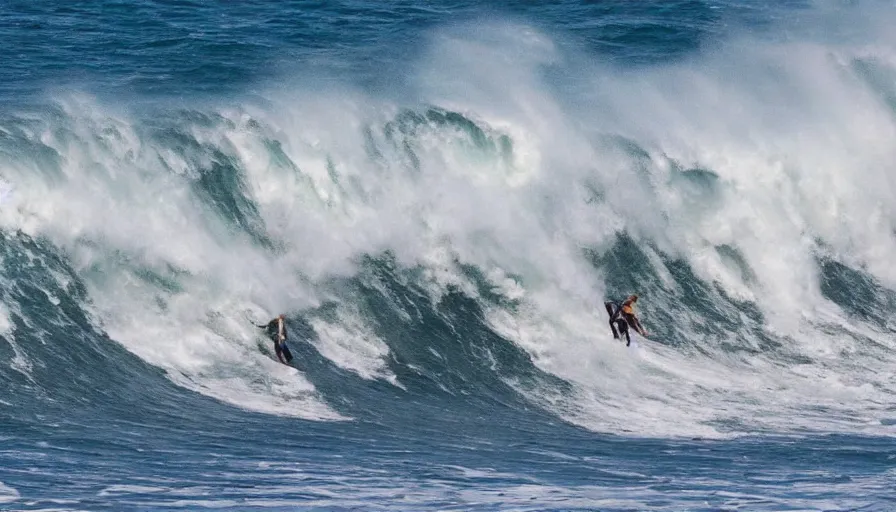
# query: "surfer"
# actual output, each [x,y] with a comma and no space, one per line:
[276,330]
[622,317]
[628,313]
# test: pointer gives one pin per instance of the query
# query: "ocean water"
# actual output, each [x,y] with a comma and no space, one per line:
[440,196]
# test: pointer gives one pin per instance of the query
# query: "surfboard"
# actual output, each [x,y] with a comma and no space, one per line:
[611,308]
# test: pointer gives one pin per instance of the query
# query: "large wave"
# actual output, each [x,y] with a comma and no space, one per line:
[463,230]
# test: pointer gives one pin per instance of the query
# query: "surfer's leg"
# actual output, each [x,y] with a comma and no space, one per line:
[279,351]
[632,323]
[287,355]
[623,329]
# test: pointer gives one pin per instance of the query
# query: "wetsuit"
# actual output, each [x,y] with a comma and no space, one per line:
[619,321]
[273,331]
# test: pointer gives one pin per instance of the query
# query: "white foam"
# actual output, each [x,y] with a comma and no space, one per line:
[6,325]
[20,361]
[802,147]
[347,342]
[777,141]
[6,191]
[118,490]
[120,218]
[8,494]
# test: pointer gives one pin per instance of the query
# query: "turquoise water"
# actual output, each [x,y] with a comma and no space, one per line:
[440,196]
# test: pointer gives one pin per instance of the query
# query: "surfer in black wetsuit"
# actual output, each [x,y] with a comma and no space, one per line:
[622,317]
[276,330]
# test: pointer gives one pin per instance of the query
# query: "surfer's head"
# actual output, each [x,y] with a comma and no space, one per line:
[633,297]
[282,316]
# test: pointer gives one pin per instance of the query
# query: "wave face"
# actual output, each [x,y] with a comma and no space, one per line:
[441,210]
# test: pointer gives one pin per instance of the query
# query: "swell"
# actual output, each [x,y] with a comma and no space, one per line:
[461,245]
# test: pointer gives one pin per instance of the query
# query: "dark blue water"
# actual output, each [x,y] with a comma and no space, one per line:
[440,196]
[177,49]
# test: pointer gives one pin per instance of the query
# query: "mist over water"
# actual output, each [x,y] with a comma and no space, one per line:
[445,233]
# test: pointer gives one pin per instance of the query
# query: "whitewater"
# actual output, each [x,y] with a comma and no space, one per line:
[441,212]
